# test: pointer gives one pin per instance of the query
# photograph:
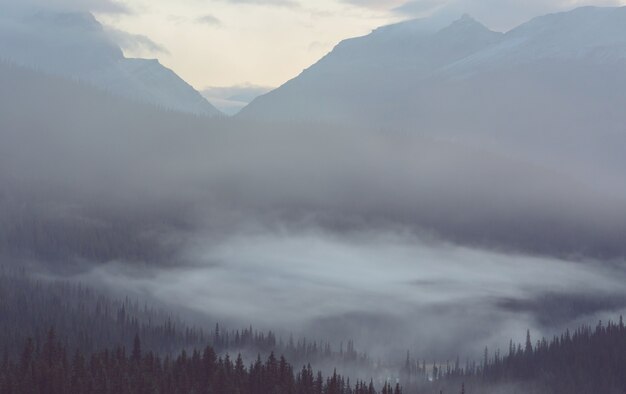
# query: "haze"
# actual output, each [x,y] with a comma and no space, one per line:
[441,177]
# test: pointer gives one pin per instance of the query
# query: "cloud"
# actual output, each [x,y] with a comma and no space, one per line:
[498,14]
[243,92]
[99,6]
[318,45]
[425,298]
[210,20]
[374,4]
[270,3]
[231,99]
[418,8]
[136,42]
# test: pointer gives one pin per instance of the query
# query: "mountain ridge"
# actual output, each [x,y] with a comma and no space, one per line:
[75,45]
[408,48]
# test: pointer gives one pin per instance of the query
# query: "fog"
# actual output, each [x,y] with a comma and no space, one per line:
[390,292]
[102,156]
[395,239]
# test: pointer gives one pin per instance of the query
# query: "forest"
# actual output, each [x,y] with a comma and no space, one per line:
[587,360]
[89,320]
[47,368]
[97,344]
[84,348]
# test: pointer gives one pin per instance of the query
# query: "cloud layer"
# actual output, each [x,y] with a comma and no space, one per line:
[231,99]
[500,15]
[101,6]
[387,291]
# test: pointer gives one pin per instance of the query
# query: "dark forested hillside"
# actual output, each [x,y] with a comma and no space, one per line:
[586,361]
[87,320]
[64,152]
[50,369]
[83,318]
[83,348]
[91,332]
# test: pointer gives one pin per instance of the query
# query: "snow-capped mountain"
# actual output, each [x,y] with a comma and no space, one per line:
[360,74]
[551,90]
[75,45]
[590,34]
[384,77]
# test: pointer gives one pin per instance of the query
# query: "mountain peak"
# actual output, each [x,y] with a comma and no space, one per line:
[469,31]
[465,23]
[419,26]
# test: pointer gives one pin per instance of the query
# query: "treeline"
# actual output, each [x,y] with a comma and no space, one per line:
[300,350]
[84,318]
[90,321]
[97,329]
[48,368]
[586,361]
[61,234]
[61,204]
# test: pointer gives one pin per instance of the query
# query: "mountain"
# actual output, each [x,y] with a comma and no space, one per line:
[231,99]
[352,80]
[406,61]
[550,90]
[87,176]
[75,45]
[66,147]
[591,34]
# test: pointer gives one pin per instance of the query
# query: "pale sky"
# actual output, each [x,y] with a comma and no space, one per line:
[222,42]
[267,42]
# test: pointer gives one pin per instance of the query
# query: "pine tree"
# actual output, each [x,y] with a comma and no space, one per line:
[528,349]
[136,355]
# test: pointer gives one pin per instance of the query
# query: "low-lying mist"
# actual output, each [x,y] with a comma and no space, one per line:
[387,291]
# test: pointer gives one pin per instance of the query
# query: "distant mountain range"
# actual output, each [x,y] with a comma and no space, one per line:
[75,45]
[396,67]
[512,141]
[231,99]
[550,90]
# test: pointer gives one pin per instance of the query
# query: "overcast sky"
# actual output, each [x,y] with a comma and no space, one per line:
[267,42]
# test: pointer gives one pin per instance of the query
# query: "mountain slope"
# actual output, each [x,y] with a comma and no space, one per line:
[87,176]
[407,61]
[586,34]
[549,91]
[75,45]
[358,76]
